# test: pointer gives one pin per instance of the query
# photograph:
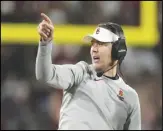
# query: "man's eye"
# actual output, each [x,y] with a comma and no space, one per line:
[100,43]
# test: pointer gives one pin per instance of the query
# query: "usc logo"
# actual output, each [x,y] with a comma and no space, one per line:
[120,95]
[98,31]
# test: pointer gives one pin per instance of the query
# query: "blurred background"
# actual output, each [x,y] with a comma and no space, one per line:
[28,104]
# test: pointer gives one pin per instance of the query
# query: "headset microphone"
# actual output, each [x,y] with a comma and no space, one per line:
[99,74]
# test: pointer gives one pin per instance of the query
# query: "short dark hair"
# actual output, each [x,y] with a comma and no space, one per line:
[113,27]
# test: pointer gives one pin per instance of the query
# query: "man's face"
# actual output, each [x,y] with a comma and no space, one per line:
[100,54]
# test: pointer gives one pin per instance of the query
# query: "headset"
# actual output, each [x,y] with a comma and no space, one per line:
[119,48]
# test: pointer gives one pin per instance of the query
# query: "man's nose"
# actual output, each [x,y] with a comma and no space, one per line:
[95,47]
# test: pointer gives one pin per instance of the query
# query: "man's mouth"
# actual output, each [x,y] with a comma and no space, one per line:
[96,59]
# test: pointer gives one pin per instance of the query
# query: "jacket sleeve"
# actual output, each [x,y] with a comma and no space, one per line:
[58,76]
[134,119]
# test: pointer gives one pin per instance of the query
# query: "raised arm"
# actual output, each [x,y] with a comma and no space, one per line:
[61,76]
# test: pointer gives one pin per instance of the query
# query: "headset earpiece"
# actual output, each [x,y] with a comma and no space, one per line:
[119,49]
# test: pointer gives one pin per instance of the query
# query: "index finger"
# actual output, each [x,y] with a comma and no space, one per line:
[46,18]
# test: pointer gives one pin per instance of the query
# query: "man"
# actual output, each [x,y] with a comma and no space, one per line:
[95,96]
